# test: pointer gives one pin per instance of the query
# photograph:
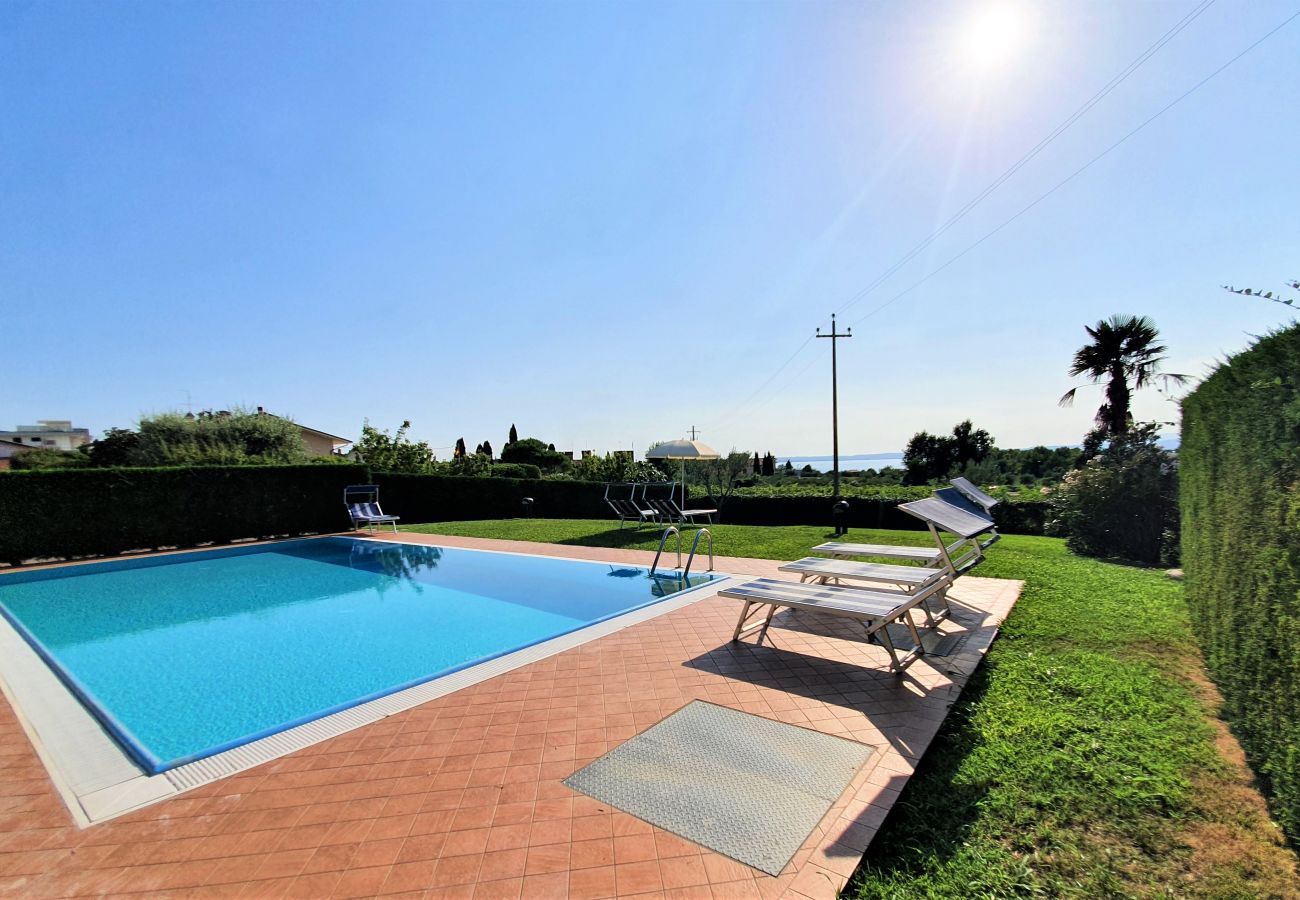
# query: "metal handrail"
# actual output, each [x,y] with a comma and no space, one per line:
[694,546]
[671,529]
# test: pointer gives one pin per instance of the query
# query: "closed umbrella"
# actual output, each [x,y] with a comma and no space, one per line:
[683,450]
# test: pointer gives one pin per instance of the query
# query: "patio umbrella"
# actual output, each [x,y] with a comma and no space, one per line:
[683,450]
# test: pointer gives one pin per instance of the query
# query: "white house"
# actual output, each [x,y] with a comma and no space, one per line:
[48,434]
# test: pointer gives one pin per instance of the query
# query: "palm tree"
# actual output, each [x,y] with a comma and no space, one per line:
[1125,355]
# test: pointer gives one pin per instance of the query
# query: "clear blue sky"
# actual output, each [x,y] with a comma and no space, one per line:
[606,222]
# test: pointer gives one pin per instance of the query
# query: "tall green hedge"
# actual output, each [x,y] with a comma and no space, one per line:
[67,513]
[91,512]
[1240,497]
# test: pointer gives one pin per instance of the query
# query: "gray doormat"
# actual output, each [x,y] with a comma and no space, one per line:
[748,787]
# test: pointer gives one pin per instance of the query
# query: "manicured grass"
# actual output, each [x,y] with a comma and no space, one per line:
[1083,759]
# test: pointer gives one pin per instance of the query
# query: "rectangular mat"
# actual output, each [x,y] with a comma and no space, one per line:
[748,787]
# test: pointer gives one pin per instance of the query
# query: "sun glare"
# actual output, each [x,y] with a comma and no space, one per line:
[993,34]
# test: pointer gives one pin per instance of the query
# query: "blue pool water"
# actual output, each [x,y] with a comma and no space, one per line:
[186,655]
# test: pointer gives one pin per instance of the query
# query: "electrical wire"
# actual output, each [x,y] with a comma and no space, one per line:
[1038,148]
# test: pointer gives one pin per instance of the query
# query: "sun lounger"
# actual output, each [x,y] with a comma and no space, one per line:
[668,509]
[949,511]
[874,610]
[928,555]
[362,501]
[908,578]
[629,507]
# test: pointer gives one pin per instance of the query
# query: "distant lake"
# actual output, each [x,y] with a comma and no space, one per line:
[858,461]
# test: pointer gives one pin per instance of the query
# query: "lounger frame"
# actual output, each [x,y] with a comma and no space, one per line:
[873,610]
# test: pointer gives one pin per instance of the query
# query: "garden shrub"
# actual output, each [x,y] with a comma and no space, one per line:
[514,470]
[1124,502]
[1240,458]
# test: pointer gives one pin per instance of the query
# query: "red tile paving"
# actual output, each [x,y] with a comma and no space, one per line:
[463,796]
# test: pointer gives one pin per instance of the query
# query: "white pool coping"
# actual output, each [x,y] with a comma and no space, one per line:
[98,781]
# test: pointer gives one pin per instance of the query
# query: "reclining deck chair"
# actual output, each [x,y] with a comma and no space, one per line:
[874,610]
[972,523]
[975,495]
[362,501]
[669,510]
[629,507]
[907,578]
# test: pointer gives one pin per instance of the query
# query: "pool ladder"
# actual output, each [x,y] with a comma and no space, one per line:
[695,545]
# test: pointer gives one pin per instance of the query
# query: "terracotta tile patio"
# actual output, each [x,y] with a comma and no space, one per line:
[463,796]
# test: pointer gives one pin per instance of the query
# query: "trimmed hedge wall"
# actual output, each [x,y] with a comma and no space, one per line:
[92,512]
[1240,497]
[96,512]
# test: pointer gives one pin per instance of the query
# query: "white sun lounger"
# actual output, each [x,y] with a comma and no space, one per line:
[949,511]
[874,610]
[908,578]
[927,555]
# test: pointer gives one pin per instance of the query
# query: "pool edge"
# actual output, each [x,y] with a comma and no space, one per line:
[23,690]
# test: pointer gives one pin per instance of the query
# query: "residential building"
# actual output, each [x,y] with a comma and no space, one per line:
[316,443]
[48,434]
[8,450]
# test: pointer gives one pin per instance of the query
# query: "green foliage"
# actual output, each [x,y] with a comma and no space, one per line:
[1124,502]
[514,470]
[615,467]
[43,458]
[89,512]
[533,452]
[929,458]
[716,478]
[1124,354]
[1240,456]
[118,447]
[467,465]
[1077,762]
[395,453]
[221,438]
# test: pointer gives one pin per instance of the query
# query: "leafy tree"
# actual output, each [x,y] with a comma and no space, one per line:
[487,448]
[615,467]
[927,457]
[396,453]
[758,464]
[718,477]
[234,437]
[118,447]
[769,464]
[460,450]
[1123,353]
[789,467]
[514,435]
[531,451]
[931,457]
[470,464]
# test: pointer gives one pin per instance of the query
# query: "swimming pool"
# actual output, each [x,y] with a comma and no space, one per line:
[184,656]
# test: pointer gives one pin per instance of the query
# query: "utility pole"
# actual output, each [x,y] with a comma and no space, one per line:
[835,337]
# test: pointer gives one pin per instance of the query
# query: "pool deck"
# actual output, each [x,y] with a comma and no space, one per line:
[463,796]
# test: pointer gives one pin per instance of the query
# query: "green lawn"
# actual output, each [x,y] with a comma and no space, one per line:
[1083,758]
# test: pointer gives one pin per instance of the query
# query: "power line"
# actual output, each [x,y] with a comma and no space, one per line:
[1077,172]
[1096,98]
[1035,150]
[1089,164]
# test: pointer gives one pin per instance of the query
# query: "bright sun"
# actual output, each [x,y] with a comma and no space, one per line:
[993,34]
